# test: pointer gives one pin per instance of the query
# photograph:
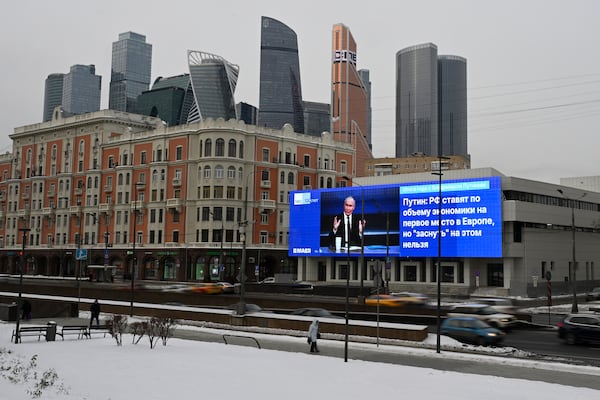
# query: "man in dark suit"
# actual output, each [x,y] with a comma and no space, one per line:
[345,220]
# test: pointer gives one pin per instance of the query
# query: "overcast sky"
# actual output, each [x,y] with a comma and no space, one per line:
[533,67]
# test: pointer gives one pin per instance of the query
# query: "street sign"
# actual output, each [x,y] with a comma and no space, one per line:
[81,254]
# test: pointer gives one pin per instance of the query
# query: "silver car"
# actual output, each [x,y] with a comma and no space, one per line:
[485,313]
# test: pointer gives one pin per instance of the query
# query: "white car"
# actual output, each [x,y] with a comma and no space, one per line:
[270,279]
[485,313]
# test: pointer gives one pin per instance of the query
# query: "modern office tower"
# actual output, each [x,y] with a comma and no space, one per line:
[416,100]
[348,97]
[170,99]
[214,80]
[280,98]
[452,111]
[365,77]
[130,72]
[316,118]
[247,113]
[53,92]
[81,90]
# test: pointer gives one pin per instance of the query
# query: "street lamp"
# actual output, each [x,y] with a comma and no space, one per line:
[243,226]
[138,185]
[21,265]
[439,250]
[573,265]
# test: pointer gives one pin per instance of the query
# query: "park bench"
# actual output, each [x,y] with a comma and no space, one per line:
[38,331]
[80,330]
[103,328]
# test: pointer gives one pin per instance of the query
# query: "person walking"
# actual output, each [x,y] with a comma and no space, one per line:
[313,335]
[26,310]
[95,311]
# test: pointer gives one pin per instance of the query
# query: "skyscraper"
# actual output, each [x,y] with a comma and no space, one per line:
[348,97]
[130,72]
[280,98]
[416,100]
[170,99]
[452,96]
[431,102]
[53,92]
[214,80]
[365,76]
[81,90]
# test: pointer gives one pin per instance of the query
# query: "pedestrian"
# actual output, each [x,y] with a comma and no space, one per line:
[313,335]
[95,311]
[26,310]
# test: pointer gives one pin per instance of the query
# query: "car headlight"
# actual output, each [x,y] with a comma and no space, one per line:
[492,334]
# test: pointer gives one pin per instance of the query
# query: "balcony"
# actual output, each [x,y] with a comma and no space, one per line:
[51,193]
[267,205]
[48,211]
[138,205]
[176,182]
[174,203]
[78,191]
[265,184]
[75,209]
[104,207]
[108,188]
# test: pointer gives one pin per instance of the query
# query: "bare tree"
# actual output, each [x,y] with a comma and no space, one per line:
[118,325]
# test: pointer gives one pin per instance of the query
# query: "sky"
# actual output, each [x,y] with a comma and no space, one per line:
[98,369]
[532,66]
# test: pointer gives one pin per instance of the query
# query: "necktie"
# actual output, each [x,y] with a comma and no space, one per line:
[347,230]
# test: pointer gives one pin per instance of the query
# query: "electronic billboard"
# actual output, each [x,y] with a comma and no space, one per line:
[400,220]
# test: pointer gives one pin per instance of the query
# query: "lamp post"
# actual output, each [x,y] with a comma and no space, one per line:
[243,226]
[21,265]
[138,185]
[78,252]
[439,251]
[573,265]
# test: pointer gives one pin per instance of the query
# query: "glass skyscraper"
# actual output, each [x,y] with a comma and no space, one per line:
[170,99]
[130,72]
[452,95]
[81,90]
[416,100]
[53,92]
[214,80]
[431,102]
[280,98]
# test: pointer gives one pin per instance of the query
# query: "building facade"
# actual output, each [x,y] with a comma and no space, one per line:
[546,229]
[130,71]
[213,80]
[170,99]
[413,164]
[106,180]
[349,96]
[280,97]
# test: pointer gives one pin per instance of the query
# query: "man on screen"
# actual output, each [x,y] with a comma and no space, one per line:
[347,226]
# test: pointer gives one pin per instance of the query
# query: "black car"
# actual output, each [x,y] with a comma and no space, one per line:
[580,328]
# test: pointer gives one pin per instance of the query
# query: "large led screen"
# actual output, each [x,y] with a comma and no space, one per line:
[401,220]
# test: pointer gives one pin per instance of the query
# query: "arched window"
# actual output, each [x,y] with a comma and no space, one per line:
[282,177]
[231,148]
[291,178]
[231,172]
[219,172]
[329,182]
[89,182]
[220,148]
[54,151]
[162,174]
[154,176]
[321,182]
[81,147]
[240,173]
[207,148]
[127,178]
[120,179]
[241,149]
[207,172]
[200,152]
[96,182]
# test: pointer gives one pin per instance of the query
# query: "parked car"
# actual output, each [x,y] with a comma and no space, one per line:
[412,298]
[484,312]
[501,304]
[314,312]
[580,328]
[384,300]
[593,295]
[270,279]
[471,330]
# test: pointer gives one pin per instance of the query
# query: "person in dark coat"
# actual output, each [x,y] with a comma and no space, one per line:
[313,335]
[26,310]
[95,311]
[347,221]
